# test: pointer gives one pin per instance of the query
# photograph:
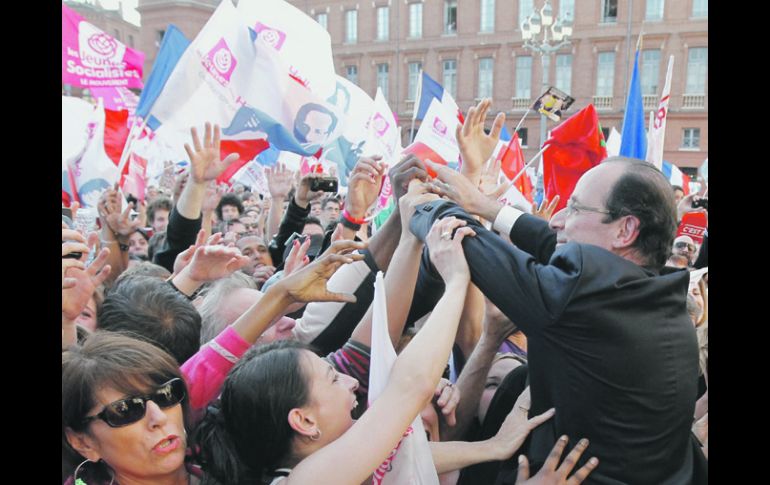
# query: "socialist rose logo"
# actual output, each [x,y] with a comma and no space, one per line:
[380,124]
[271,36]
[439,126]
[223,60]
[103,44]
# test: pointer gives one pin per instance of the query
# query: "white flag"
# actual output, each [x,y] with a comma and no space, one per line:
[658,132]
[411,460]
[232,76]
[613,143]
[383,134]
[91,171]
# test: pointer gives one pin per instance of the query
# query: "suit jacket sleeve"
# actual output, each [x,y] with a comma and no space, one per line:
[533,235]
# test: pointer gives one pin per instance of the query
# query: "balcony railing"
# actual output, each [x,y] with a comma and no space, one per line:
[520,104]
[650,101]
[693,101]
[603,102]
[409,106]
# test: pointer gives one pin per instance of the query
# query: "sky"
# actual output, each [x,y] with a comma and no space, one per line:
[129,8]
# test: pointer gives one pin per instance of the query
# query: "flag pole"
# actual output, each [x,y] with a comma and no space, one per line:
[126,148]
[508,146]
[415,108]
[529,164]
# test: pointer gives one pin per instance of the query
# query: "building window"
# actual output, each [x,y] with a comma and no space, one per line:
[415,20]
[382,79]
[322,19]
[351,72]
[567,9]
[654,10]
[697,63]
[691,138]
[487,16]
[159,36]
[351,26]
[526,8]
[523,136]
[117,34]
[524,77]
[382,23]
[486,75]
[450,17]
[450,77]
[700,8]
[605,73]
[130,40]
[650,71]
[606,133]
[564,72]
[609,11]
[414,78]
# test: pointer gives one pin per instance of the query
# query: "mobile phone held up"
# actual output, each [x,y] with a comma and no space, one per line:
[700,203]
[324,184]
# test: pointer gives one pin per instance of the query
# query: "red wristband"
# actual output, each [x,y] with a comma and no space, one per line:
[352,219]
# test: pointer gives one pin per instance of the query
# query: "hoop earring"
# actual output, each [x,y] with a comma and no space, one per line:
[80,481]
[317,435]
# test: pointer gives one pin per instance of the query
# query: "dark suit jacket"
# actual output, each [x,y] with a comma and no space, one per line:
[610,346]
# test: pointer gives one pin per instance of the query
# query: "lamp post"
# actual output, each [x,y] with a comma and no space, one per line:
[560,30]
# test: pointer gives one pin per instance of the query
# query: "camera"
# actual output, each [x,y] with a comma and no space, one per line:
[704,203]
[325,184]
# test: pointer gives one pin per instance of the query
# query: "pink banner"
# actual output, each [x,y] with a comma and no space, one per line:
[91,58]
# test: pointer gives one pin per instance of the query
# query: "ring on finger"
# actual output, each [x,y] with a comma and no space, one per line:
[446,235]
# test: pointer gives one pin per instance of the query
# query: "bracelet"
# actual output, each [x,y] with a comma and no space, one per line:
[346,215]
[171,282]
[121,246]
[350,225]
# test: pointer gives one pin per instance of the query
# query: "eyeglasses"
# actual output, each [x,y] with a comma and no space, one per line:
[575,207]
[130,410]
[682,245]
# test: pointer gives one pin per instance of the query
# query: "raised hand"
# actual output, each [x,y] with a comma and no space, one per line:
[297,257]
[120,223]
[685,205]
[304,195]
[446,251]
[210,263]
[213,195]
[279,181]
[476,147]
[545,211]
[262,273]
[364,185]
[446,398]
[205,164]
[75,297]
[418,193]
[462,191]
[517,427]
[184,258]
[309,283]
[72,243]
[549,474]
[408,169]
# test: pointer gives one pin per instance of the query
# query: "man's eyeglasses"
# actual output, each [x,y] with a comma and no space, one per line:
[575,207]
[130,410]
[683,245]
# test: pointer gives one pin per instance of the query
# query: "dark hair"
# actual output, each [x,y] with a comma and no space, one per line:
[674,188]
[247,432]
[126,364]
[245,195]
[301,128]
[152,309]
[643,191]
[229,199]
[156,244]
[330,198]
[159,203]
[313,220]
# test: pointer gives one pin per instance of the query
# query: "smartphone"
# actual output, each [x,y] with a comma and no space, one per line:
[324,184]
[704,203]
[66,211]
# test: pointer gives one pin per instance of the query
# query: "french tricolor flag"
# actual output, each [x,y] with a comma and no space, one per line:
[430,89]
[676,176]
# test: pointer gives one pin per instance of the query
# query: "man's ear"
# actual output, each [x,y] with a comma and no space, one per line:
[627,232]
[303,422]
[83,444]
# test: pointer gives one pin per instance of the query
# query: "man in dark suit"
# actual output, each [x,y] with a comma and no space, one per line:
[610,343]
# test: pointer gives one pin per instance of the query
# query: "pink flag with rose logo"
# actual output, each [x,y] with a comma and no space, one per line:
[92,58]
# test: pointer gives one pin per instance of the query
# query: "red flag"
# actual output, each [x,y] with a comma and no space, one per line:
[575,146]
[115,133]
[247,149]
[512,162]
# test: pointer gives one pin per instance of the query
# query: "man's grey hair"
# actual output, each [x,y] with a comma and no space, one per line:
[213,319]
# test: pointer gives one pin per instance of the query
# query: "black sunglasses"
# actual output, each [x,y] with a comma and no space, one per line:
[130,410]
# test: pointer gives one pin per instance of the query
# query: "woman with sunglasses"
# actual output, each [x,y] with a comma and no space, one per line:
[123,413]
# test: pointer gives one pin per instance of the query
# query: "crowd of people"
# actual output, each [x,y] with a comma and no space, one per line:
[215,335]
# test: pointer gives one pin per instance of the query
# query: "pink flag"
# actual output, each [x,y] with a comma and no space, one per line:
[117,99]
[92,58]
